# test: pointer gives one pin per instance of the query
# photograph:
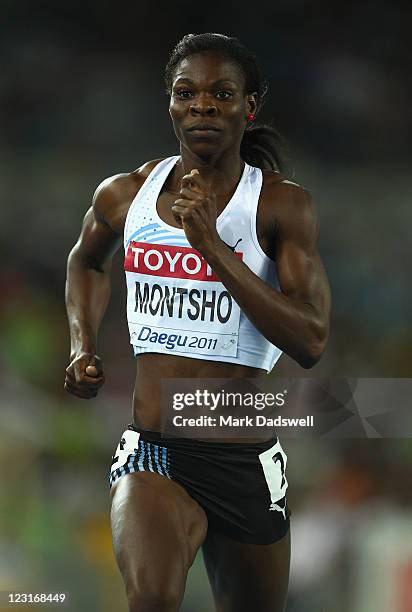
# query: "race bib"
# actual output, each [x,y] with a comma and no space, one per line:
[175,302]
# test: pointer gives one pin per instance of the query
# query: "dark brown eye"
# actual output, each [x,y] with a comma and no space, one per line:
[224,95]
[184,94]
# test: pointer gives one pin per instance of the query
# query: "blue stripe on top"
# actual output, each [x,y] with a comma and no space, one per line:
[177,241]
[162,235]
[160,232]
[144,229]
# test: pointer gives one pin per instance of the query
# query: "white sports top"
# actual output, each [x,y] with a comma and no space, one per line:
[175,302]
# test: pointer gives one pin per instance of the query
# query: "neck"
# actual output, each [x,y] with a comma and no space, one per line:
[222,172]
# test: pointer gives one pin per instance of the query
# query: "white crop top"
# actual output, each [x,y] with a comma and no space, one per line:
[175,302]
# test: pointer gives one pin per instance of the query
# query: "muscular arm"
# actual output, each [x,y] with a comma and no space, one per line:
[296,319]
[88,281]
[88,275]
[88,289]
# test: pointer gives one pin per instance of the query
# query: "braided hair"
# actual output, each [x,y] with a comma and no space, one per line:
[261,145]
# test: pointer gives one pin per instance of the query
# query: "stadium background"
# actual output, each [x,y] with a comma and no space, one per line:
[81,98]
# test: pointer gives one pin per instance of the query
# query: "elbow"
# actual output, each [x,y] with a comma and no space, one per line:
[78,261]
[314,349]
[310,359]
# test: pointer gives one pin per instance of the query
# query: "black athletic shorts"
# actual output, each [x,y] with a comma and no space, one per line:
[241,487]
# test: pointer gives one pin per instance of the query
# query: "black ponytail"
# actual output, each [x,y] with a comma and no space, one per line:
[262,145]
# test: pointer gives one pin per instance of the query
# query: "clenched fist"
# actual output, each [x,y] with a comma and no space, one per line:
[84,375]
[195,211]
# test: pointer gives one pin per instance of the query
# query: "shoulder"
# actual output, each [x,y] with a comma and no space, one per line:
[276,184]
[120,189]
[287,201]
[285,213]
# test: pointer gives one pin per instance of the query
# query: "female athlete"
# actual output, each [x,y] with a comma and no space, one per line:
[202,231]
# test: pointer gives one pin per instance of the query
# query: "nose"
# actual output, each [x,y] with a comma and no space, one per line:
[203,106]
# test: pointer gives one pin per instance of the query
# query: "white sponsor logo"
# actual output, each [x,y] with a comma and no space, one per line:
[277,508]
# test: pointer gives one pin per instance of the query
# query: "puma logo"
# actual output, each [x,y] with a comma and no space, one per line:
[232,248]
[278,508]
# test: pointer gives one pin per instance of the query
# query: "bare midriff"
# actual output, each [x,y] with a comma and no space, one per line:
[152,368]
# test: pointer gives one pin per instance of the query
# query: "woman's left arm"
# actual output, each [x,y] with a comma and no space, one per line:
[296,319]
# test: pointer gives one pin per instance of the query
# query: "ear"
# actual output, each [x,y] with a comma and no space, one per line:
[251,103]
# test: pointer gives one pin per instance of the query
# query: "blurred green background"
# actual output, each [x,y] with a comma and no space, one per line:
[82,98]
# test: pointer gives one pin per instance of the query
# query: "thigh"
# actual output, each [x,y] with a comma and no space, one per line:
[247,577]
[157,529]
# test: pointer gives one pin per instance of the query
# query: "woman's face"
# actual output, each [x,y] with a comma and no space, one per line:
[208,105]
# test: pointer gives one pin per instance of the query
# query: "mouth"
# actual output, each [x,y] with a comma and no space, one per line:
[203,129]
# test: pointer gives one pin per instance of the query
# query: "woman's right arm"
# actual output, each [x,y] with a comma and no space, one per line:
[88,289]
